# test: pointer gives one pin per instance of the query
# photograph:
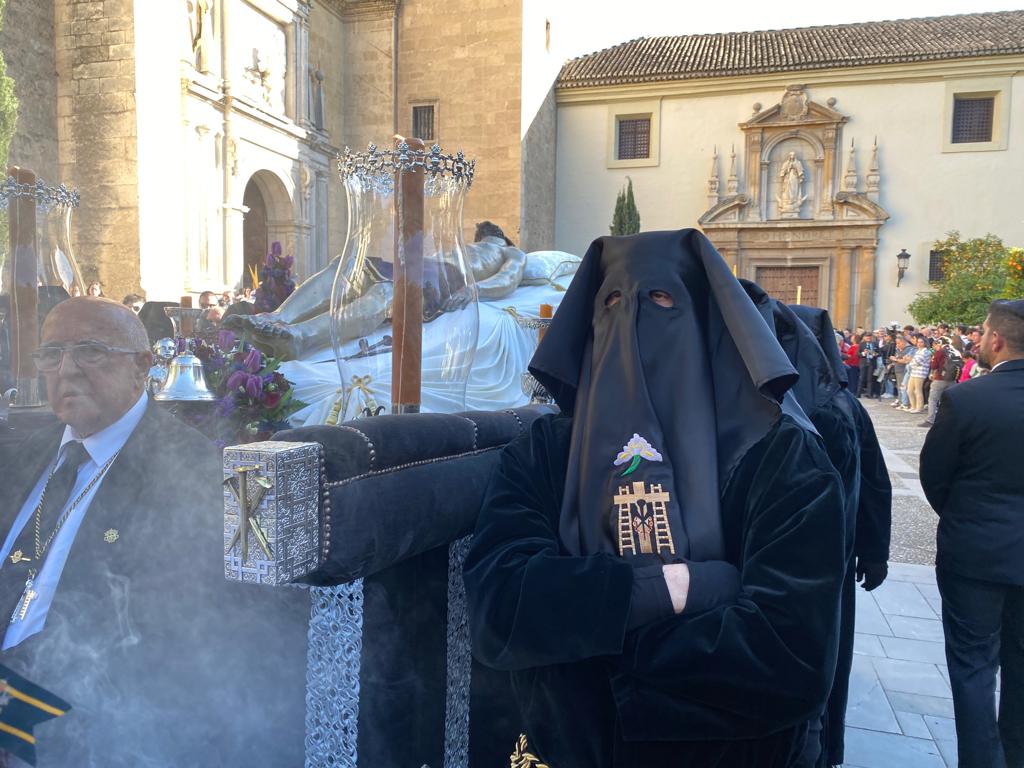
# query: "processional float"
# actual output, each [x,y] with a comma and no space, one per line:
[375,514]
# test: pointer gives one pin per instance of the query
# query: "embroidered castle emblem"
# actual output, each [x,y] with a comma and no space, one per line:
[111,536]
[643,520]
[634,452]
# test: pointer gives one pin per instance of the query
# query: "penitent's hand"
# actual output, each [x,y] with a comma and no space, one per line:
[677,577]
[871,575]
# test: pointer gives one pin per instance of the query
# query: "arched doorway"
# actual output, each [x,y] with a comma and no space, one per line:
[254,232]
[270,216]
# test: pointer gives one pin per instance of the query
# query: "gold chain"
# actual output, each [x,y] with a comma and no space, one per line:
[42,547]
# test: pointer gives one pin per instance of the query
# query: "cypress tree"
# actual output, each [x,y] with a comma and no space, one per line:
[626,218]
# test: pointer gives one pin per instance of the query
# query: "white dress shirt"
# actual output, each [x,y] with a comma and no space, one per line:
[100,446]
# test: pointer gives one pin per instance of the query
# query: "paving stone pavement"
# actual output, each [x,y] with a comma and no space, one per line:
[900,713]
[913,521]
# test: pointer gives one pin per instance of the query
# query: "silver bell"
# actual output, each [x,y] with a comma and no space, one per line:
[186,382]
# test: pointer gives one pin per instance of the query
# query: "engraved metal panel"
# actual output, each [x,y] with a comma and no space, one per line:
[332,675]
[282,527]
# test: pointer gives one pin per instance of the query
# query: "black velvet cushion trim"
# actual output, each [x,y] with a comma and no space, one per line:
[381,518]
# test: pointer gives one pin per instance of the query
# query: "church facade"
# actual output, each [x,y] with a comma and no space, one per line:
[201,131]
[810,157]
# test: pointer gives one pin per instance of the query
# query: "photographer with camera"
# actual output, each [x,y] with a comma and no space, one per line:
[867,353]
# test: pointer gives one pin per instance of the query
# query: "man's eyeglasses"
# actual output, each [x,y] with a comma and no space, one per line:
[89,354]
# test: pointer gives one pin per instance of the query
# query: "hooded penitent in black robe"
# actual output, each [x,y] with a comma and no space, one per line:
[872,524]
[820,394]
[564,595]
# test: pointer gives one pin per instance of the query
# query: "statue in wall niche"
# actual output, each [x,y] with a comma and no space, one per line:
[791,196]
[302,323]
[199,29]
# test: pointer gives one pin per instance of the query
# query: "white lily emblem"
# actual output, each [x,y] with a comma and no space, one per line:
[637,449]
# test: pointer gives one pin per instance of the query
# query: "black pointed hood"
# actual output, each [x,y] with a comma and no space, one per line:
[818,382]
[661,397]
[820,323]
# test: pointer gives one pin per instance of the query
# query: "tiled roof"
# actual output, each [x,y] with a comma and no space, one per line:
[652,59]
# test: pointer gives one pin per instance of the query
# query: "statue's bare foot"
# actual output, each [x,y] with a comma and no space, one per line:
[246,323]
[276,338]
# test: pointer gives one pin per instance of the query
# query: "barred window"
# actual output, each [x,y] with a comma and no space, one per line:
[634,139]
[972,119]
[936,266]
[423,122]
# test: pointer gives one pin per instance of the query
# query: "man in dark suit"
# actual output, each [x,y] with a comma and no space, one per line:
[971,474]
[867,353]
[111,538]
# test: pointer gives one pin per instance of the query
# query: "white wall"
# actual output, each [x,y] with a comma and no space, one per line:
[926,192]
[160,32]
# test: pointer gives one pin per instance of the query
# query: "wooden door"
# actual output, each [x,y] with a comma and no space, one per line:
[782,283]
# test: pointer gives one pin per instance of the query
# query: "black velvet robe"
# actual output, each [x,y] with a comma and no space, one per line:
[869,514]
[733,686]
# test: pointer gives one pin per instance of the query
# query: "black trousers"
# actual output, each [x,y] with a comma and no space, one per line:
[983,623]
[866,379]
[853,379]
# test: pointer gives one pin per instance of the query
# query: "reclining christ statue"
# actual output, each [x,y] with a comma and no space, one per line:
[302,324]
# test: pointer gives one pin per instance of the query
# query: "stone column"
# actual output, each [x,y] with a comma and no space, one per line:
[320,214]
[841,263]
[199,203]
[753,174]
[866,287]
[828,175]
[297,80]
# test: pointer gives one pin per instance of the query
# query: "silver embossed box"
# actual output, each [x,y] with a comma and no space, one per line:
[272,493]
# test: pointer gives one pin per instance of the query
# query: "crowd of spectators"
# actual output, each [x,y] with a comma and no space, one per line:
[911,365]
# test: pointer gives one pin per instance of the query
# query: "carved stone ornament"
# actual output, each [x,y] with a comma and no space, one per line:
[795,104]
[260,74]
[363,9]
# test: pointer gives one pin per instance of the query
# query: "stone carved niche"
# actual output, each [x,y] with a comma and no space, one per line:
[788,205]
[259,66]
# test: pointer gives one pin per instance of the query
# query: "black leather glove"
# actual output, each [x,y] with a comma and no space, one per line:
[871,574]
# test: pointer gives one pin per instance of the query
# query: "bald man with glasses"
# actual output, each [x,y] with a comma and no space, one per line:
[112,585]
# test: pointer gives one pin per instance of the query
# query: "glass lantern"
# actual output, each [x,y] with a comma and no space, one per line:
[404,310]
[37,271]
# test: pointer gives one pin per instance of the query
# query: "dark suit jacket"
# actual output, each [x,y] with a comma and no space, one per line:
[971,473]
[164,662]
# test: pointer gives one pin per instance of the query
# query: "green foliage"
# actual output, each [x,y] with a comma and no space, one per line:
[8,118]
[1015,278]
[975,275]
[626,219]
[8,103]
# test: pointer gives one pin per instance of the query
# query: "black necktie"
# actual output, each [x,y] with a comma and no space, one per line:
[56,495]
